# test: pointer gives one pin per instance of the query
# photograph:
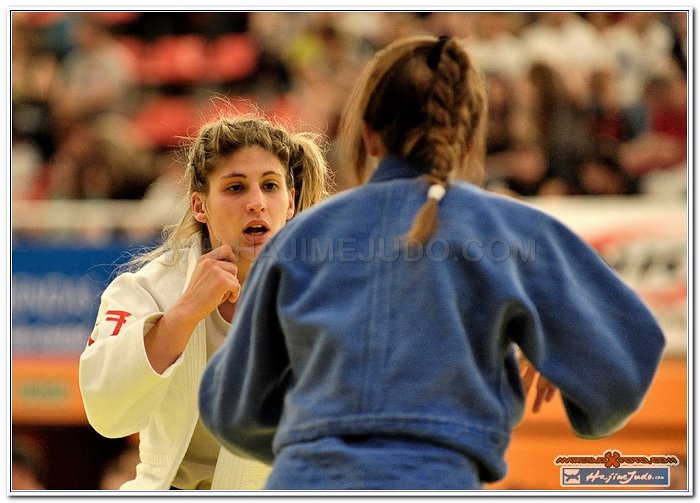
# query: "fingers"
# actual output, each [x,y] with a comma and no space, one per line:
[539,395]
[232,294]
[216,277]
[224,257]
[224,253]
[232,285]
[527,376]
[234,290]
[550,391]
[545,392]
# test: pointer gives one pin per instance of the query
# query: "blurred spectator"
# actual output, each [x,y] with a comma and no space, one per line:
[168,185]
[127,162]
[502,109]
[663,143]
[34,70]
[26,161]
[604,110]
[34,74]
[270,30]
[522,171]
[569,44]
[60,177]
[96,73]
[640,45]
[556,120]
[323,66]
[369,31]
[496,45]
[666,102]
[452,24]
[97,159]
[161,200]
[602,175]
[393,25]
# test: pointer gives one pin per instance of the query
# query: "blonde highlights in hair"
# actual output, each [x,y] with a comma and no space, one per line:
[302,152]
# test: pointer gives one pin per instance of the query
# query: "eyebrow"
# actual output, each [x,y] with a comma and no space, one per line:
[243,175]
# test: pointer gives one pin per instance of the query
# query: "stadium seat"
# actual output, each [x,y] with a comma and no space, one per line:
[163,121]
[232,57]
[176,59]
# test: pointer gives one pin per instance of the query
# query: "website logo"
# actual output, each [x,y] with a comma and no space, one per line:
[613,469]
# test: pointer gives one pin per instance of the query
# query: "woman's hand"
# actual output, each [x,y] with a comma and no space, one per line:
[214,281]
[545,389]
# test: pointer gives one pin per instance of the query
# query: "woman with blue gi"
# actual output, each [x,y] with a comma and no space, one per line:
[377,349]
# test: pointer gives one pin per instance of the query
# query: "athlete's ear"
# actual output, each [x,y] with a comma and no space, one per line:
[198,209]
[373,142]
[291,208]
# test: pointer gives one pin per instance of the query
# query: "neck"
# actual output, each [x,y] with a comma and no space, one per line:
[243,268]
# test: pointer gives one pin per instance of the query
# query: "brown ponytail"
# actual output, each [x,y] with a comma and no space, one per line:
[309,171]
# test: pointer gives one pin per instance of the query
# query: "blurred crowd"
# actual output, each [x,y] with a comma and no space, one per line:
[581,103]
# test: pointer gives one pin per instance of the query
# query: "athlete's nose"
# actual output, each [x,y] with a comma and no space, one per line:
[256,201]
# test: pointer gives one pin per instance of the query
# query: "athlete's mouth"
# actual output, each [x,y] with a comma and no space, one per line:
[256,230]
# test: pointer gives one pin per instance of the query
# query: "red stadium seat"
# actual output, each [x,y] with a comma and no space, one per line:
[163,121]
[175,59]
[232,57]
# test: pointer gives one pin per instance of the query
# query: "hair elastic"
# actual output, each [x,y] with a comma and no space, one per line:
[436,52]
[436,191]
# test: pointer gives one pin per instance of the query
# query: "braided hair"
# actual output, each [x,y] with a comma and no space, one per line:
[426,100]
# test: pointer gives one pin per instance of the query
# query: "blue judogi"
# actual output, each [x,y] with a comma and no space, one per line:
[355,362]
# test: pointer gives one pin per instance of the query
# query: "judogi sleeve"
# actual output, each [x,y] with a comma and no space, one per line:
[587,331]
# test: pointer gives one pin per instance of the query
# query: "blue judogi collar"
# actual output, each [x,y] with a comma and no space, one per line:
[393,166]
